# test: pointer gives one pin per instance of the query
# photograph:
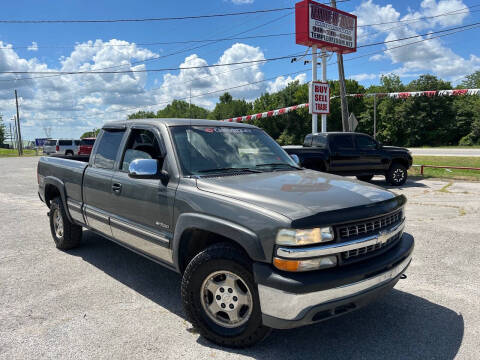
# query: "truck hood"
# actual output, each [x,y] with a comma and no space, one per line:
[295,194]
[394,148]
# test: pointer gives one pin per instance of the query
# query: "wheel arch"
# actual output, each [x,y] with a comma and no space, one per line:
[55,187]
[195,232]
[400,161]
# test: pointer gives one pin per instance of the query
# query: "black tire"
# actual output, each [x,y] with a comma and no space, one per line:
[218,258]
[69,153]
[365,177]
[397,174]
[70,235]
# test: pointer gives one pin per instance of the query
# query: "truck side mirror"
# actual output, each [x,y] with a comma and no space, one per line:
[143,169]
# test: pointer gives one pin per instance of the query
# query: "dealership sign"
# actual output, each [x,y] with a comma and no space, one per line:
[328,28]
[319,93]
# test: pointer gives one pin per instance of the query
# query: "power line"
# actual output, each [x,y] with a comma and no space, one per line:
[272,78]
[64,21]
[145,44]
[161,56]
[221,65]
[173,18]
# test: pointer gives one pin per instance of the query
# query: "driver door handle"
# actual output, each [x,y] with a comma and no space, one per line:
[117,188]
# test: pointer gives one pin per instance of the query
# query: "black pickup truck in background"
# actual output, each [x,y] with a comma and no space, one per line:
[353,154]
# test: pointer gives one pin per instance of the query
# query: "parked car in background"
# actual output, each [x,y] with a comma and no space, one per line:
[49,147]
[260,242]
[355,154]
[67,147]
[86,146]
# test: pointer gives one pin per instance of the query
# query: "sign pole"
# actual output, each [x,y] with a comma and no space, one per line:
[324,79]
[314,78]
[374,116]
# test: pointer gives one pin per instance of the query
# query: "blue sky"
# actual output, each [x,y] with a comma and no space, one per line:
[69,105]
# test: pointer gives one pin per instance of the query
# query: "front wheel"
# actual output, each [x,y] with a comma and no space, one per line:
[221,299]
[397,174]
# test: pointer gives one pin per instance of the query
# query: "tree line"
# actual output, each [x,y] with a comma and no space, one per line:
[414,121]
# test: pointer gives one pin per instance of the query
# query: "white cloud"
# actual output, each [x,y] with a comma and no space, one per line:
[364,76]
[73,104]
[281,82]
[33,47]
[426,56]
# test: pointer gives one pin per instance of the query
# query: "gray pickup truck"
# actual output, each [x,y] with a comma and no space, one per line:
[260,242]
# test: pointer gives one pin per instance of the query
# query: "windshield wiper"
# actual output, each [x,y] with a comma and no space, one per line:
[239,169]
[280,164]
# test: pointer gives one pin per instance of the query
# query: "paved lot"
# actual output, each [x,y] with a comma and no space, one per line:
[102,301]
[445,152]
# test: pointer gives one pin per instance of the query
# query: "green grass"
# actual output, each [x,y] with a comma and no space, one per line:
[14,152]
[447,161]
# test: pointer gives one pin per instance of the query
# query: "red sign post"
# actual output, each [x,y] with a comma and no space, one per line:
[330,29]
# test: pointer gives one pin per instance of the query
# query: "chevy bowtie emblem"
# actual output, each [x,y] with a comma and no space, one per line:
[383,237]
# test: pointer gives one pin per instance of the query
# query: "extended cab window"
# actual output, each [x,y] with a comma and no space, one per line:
[319,141]
[107,149]
[342,142]
[365,143]
[142,144]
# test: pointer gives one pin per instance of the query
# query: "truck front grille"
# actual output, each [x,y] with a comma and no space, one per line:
[353,230]
[367,250]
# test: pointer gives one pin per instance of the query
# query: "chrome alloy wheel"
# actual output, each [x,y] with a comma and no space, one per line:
[58,223]
[398,175]
[226,299]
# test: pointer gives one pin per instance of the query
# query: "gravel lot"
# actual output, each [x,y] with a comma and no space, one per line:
[102,301]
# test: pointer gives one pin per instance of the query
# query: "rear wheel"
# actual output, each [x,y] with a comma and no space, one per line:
[365,177]
[69,153]
[65,234]
[221,299]
[397,174]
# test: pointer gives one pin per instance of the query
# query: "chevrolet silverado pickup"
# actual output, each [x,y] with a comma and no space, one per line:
[353,154]
[260,242]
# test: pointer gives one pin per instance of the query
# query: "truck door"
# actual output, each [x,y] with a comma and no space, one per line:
[370,156]
[143,207]
[97,181]
[344,157]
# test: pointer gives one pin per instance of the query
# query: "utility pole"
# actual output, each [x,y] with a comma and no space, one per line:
[314,78]
[19,132]
[341,79]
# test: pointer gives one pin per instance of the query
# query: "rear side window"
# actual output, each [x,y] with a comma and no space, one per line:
[343,142]
[365,143]
[107,149]
[77,142]
[87,142]
[319,141]
[64,142]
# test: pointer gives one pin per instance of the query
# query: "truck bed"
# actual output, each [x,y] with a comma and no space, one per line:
[64,170]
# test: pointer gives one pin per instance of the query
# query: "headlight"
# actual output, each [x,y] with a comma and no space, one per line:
[296,237]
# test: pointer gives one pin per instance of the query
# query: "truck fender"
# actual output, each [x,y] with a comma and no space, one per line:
[242,236]
[60,186]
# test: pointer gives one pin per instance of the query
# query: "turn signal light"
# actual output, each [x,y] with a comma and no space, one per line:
[305,265]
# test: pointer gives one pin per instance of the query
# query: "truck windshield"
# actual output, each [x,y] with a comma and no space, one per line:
[205,150]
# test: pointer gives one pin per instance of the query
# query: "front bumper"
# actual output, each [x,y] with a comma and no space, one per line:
[290,300]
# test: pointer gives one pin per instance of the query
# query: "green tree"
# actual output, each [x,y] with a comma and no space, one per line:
[177,109]
[228,107]
[2,130]
[90,134]
[471,81]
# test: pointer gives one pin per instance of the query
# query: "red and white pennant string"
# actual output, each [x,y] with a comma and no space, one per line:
[396,95]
